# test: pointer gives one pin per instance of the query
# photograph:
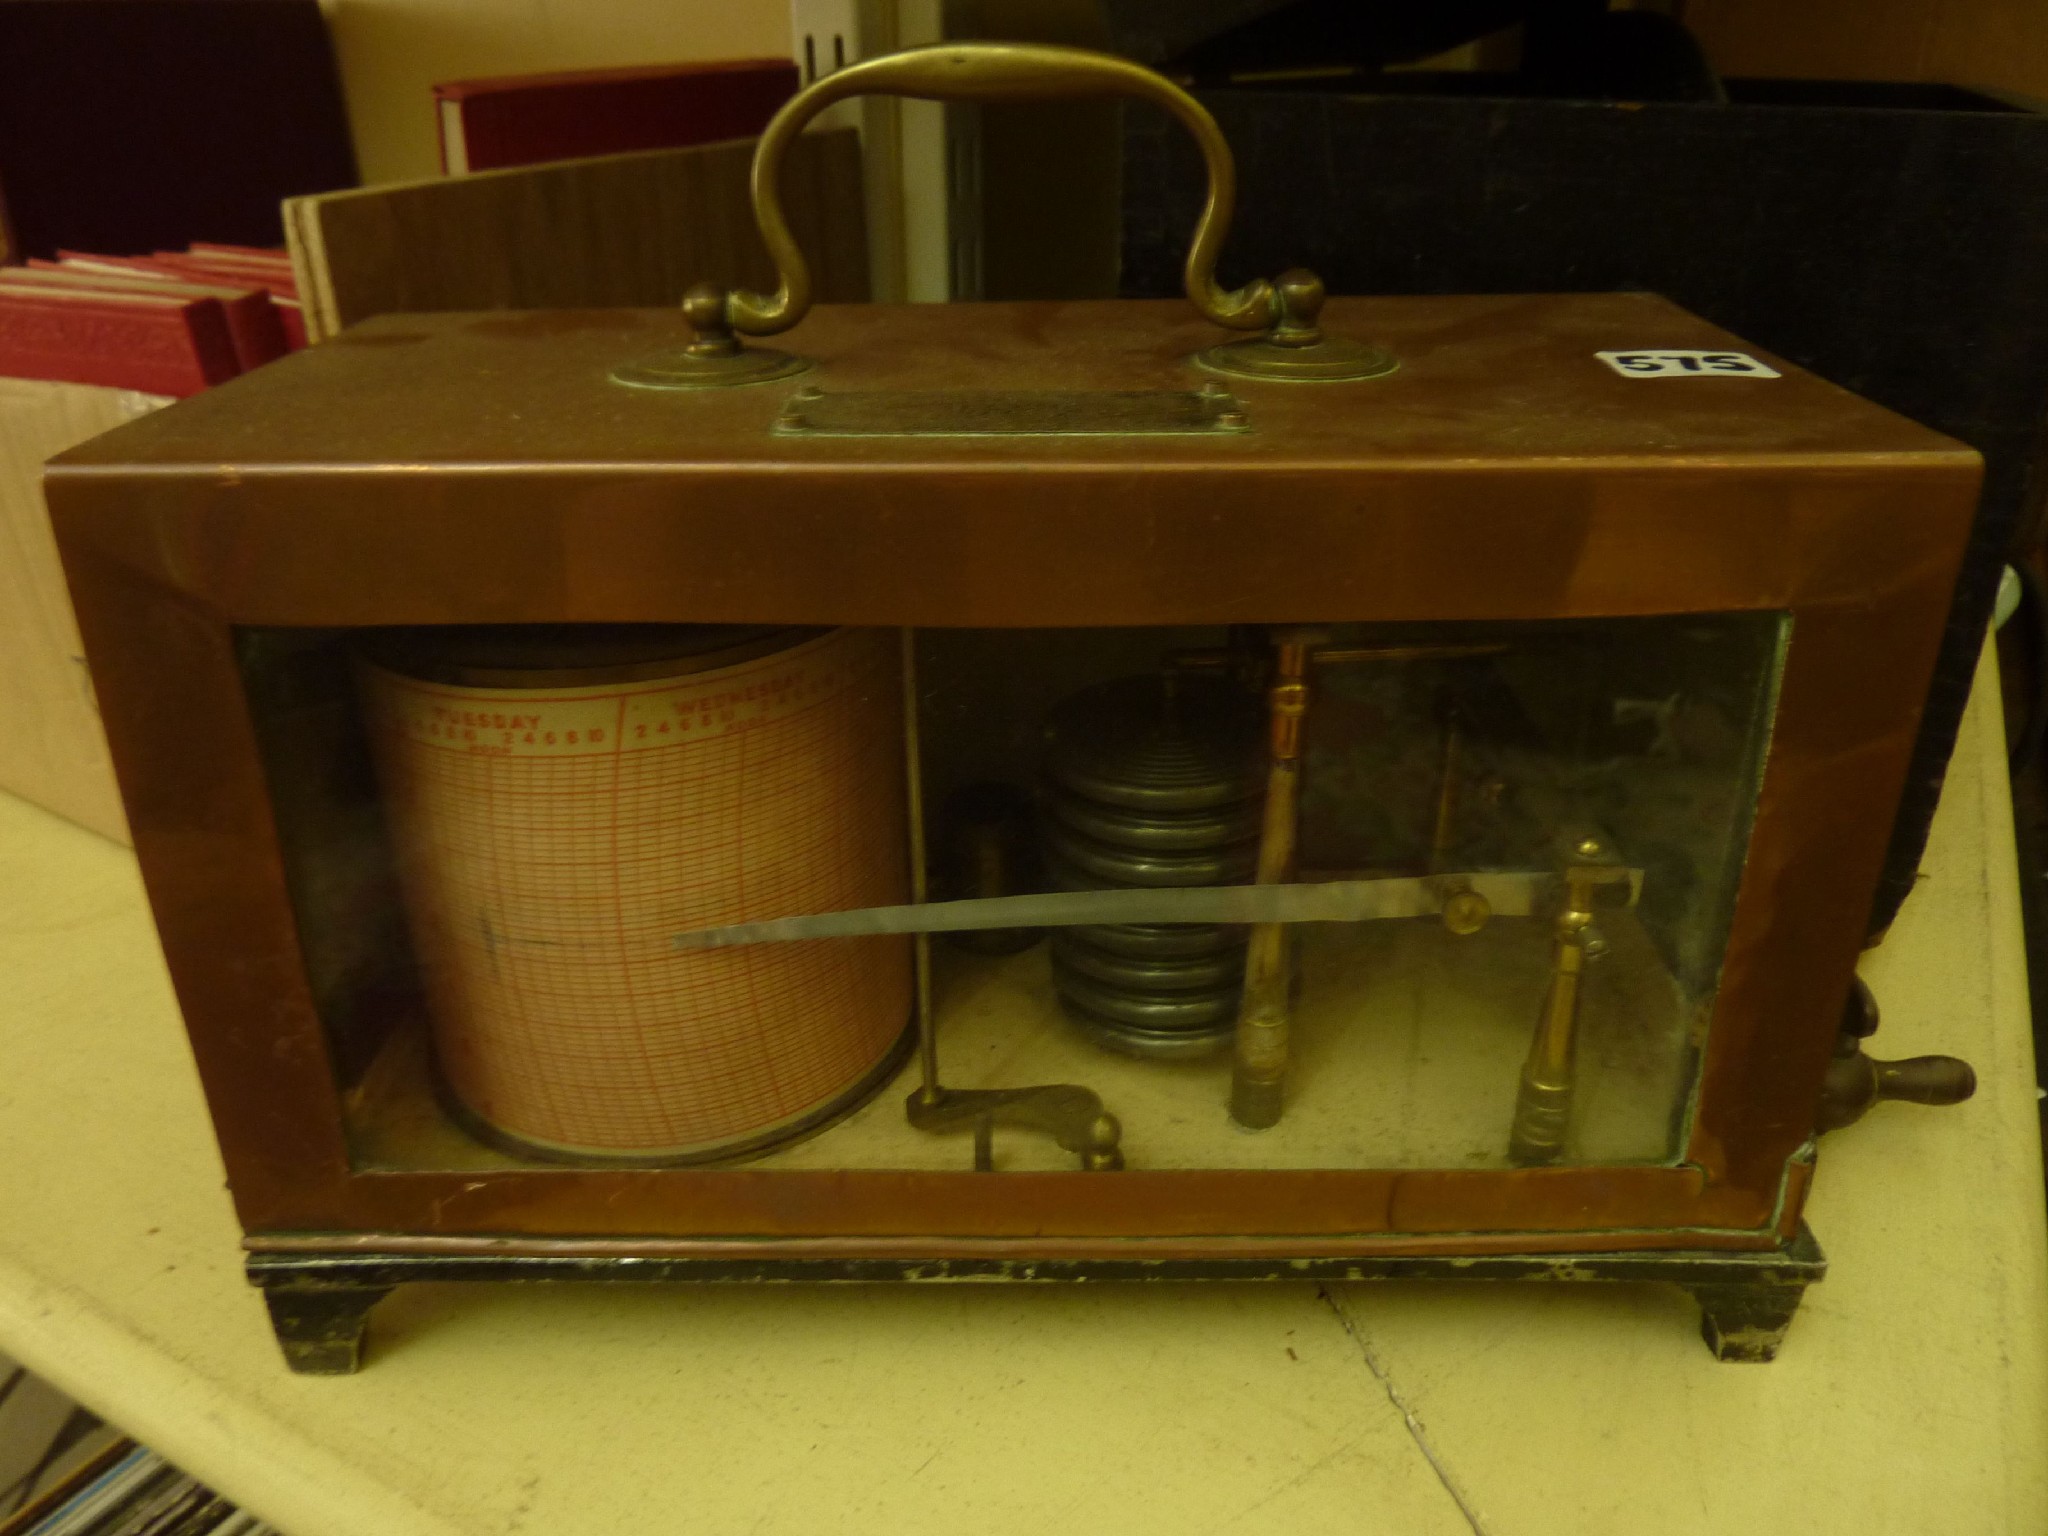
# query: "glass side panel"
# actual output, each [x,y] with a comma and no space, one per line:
[1329,897]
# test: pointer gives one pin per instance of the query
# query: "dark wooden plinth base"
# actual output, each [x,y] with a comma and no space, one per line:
[320,1302]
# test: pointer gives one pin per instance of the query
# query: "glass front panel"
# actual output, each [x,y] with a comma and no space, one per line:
[1331,897]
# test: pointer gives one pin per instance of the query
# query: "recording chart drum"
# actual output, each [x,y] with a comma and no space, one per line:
[563,799]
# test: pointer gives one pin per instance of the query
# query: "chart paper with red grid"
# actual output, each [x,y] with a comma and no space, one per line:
[551,840]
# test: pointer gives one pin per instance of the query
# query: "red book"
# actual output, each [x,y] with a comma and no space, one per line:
[148,341]
[93,261]
[266,270]
[251,267]
[524,119]
[180,266]
[293,315]
[272,274]
[253,322]
[284,293]
[269,253]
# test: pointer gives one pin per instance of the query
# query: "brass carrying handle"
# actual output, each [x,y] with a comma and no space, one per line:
[997,72]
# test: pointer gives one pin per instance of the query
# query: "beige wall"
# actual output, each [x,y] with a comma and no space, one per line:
[1999,43]
[393,51]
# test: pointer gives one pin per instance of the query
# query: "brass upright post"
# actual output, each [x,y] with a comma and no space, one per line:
[1445,830]
[1543,1108]
[1258,1084]
[921,945]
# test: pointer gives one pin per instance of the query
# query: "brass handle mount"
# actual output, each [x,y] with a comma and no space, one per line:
[1285,310]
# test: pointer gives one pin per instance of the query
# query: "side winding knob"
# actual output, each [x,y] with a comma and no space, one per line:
[1856,1082]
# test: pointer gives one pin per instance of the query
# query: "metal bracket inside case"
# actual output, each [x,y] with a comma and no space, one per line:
[812,412]
[1071,1114]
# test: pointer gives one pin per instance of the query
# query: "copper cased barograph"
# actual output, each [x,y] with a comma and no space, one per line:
[458,470]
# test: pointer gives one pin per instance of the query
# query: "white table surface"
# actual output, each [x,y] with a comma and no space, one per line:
[1911,1396]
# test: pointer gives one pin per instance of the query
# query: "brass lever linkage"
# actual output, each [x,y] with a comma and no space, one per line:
[1071,1114]
[1543,1107]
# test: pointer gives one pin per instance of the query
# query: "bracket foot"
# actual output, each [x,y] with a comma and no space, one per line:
[320,1327]
[1746,1323]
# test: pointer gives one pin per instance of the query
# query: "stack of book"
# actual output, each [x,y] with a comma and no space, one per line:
[169,323]
[129,1490]
[88,342]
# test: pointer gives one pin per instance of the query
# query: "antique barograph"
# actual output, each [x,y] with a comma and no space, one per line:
[1248,787]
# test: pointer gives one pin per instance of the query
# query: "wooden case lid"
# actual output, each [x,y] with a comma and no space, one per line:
[1483,381]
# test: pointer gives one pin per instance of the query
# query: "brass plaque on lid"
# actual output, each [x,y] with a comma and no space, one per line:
[1011,413]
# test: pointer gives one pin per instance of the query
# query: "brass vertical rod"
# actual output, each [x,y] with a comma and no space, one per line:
[1543,1106]
[921,946]
[1446,796]
[1259,1078]
[927,1026]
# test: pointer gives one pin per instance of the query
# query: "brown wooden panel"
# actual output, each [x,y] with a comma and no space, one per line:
[888,1206]
[1152,1250]
[614,230]
[1484,382]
